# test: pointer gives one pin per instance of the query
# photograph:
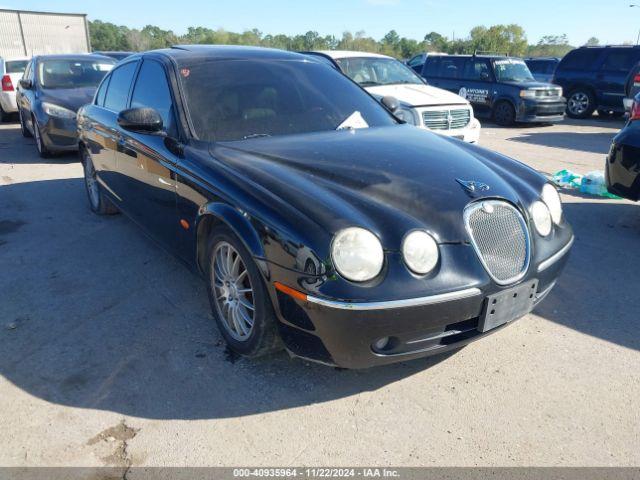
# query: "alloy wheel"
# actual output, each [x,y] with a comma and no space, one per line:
[91,182]
[578,103]
[232,291]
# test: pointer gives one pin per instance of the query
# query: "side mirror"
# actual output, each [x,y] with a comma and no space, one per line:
[26,83]
[391,103]
[140,120]
[484,76]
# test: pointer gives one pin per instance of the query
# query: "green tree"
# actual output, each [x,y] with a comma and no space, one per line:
[593,41]
[107,36]
[434,42]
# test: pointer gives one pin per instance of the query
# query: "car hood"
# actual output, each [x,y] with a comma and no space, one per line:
[70,98]
[389,180]
[418,95]
[531,84]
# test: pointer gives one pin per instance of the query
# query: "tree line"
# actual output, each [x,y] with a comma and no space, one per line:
[503,39]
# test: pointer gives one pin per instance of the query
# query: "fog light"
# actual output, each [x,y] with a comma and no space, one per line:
[381,344]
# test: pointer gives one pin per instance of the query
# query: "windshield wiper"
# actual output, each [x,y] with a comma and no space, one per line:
[255,135]
[369,83]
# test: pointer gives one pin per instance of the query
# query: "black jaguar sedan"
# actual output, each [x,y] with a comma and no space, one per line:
[320,222]
[622,168]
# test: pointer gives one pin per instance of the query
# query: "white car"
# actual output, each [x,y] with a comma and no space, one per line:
[11,71]
[422,105]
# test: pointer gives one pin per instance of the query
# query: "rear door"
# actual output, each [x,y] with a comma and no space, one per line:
[612,75]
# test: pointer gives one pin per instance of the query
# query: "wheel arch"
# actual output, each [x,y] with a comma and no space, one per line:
[215,214]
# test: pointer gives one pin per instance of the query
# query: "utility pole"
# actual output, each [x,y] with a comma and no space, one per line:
[638,39]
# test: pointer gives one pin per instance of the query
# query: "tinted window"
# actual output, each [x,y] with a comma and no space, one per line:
[415,61]
[582,59]
[119,85]
[16,66]
[63,73]
[102,92]
[234,100]
[619,60]
[477,70]
[431,67]
[451,67]
[536,66]
[152,91]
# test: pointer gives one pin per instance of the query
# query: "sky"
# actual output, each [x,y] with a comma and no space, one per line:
[611,21]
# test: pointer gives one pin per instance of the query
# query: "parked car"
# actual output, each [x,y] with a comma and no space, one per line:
[594,78]
[542,68]
[11,70]
[632,87]
[318,220]
[622,170]
[420,104]
[498,87]
[115,55]
[50,93]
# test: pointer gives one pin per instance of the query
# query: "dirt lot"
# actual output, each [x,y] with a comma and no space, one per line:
[108,355]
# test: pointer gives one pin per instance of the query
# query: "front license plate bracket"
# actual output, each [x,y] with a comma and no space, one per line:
[508,305]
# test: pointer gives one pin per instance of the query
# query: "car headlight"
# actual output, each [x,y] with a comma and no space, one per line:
[406,115]
[57,111]
[420,252]
[357,254]
[551,198]
[541,218]
[528,93]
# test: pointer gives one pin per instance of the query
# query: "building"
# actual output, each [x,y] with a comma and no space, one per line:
[24,33]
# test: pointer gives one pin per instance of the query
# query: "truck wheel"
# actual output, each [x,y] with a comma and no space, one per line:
[504,114]
[580,104]
[239,300]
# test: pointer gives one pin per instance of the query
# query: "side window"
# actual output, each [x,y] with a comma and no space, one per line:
[451,67]
[477,70]
[102,91]
[580,59]
[619,60]
[415,61]
[536,66]
[27,71]
[119,85]
[432,67]
[152,90]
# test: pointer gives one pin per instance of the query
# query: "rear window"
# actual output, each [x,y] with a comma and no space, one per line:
[582,59]
[16,66]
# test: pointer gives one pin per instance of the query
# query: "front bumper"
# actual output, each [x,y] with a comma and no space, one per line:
[469,134]
[538,111]
[60,134]
[344,333]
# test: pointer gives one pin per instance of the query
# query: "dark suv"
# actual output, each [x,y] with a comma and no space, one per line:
[498,87]
[594,78]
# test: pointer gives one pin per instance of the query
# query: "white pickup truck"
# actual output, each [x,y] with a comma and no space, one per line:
[422,105]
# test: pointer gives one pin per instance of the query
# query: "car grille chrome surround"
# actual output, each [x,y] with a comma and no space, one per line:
[500,237]
[450,119]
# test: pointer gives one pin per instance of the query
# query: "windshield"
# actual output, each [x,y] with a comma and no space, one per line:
[240,99]
[512,70]
[73,73]
[372,71]
[16,66]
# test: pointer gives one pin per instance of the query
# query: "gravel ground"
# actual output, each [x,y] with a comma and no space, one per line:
[108,354]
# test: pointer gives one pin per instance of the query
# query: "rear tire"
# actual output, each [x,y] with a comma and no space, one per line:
[4,116]
[23,128]
[239,299]
[580,104]
[504,114]
[98,202]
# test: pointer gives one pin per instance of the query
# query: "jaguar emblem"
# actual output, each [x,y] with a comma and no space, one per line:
[472,187]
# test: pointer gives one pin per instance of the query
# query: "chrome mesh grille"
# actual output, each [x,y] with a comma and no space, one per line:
[446,119]
[501,239]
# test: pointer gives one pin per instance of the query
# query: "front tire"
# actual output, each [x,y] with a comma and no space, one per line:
[239,300]
[98,203]
[504,114]
[580,104]
[43,151]
[23,128]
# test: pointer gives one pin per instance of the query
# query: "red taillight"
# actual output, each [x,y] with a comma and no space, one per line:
[636,80]
[635,111]
[7,86]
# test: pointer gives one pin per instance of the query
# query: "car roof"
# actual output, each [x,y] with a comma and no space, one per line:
[349,54]
[67,56]
[188,54]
